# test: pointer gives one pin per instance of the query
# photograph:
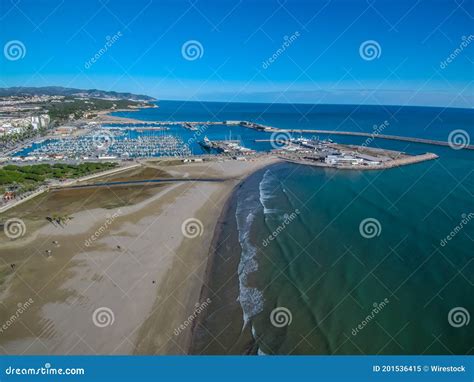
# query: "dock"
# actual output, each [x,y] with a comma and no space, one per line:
[408,160]
[368,135]
[230,147]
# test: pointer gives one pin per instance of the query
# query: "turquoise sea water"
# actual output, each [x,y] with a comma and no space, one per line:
[322,284]
[330,277]
[422,122]
[433,123]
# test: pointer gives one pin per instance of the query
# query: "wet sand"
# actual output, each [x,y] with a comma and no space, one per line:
[123,255]
[220,329]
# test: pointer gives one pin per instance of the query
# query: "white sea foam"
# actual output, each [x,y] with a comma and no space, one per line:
[267,187]
[254,334]
[250,298]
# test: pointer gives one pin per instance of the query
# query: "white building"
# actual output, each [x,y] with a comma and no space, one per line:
[370,159]
[40,121]
[343,159]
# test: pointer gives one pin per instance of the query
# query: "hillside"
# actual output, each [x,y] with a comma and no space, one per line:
[72,92]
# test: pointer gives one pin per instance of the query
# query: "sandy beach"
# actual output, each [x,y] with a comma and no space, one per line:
[125,273]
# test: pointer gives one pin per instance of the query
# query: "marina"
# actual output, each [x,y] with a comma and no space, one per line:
[106,144]
[118,142]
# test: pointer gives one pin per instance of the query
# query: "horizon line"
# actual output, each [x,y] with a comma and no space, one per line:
[156,99]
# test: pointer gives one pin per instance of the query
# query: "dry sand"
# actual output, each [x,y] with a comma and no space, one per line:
[140,271]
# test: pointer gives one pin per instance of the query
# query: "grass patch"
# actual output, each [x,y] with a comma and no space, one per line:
[27,178]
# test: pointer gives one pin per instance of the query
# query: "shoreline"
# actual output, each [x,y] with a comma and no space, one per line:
[205,292]
[222,285]
[148,340]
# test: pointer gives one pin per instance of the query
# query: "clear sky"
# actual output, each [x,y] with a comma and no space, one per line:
[321,63]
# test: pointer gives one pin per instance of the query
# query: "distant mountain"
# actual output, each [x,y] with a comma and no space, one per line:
[71,92]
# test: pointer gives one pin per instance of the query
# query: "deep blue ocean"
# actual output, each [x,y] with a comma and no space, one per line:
[326,283]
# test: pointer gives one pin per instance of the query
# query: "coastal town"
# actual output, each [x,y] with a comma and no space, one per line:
[62,130]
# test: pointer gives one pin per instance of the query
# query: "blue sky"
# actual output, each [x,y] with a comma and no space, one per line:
[321,64]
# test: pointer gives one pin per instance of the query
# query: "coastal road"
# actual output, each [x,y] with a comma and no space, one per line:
[139,182]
